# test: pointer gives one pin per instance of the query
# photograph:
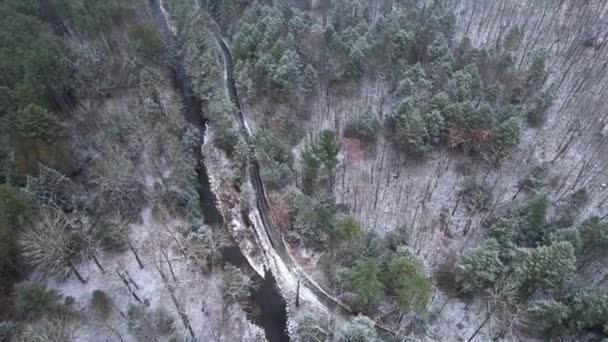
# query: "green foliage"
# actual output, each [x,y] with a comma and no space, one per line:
[508,133]
[91,16]
[502,231]
[398,237]
[7,329]
[594,234]
[571,207]
[13,210]
[409,283]
[287,72]
[30,60]
[146,39]
[35,134]
[364,127]
[480,267]
[275,156]
[36,122]
[310,169]
[587,309]
[309,79]
[224,123]
[34,299]
[410,129]
[313,219]
[347,228]
[476,196]
[326,150]
[536,73]
[536,179]
[550,313]
[101,304]
[548,267]
[364,280]
[533,230]
[512,39]
[537,107]
[358,329]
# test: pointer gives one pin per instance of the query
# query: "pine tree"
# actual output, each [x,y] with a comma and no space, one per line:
[347,228]
[480,267]
[309,79]
[35,122]
[287,71]
[358,329]
[326,150]
[364,127]
[34,299]
[533,229]
[594,234]
[508,133]
[536,73]
[587,309]
[548,267]
[310,169]
[409,283]
[550,313]
[364,281]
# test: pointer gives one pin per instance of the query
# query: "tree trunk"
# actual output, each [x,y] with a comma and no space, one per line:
[485,321]
[169,263]
[136,255]
[298,294]
[76,273]
[97,263]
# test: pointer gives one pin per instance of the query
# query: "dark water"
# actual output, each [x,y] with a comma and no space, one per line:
[269,307]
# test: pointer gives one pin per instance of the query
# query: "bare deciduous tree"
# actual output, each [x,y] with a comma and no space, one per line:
[51,243]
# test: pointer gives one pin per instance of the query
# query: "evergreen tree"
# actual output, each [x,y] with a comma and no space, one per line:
[364,281]
[548,267]
[587,309]
[358,329]
[594,234]
[347,228]
[13,211]
[287,71]
[326,150]
[534,220]
[30,58]
[34,299]
[536,73]
[480,267]
[310,169]
[91,16]
[309,79]
[364,127]
[409,283]
[508,133]
[34,122]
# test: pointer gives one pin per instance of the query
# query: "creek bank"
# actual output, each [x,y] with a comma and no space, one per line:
[268,305]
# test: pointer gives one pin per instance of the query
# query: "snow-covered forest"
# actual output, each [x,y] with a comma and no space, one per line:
[304,170]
